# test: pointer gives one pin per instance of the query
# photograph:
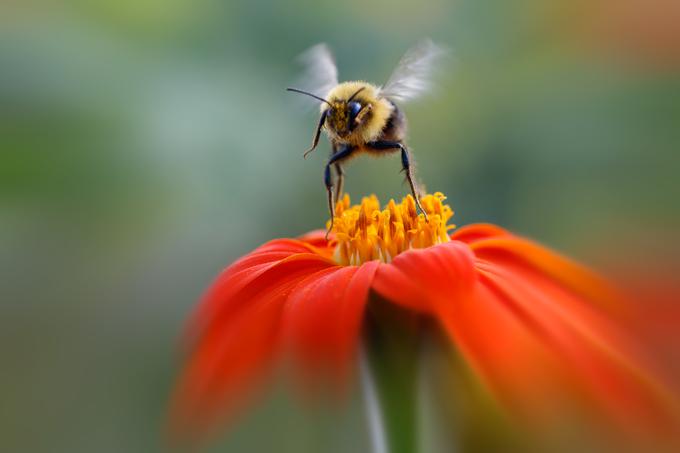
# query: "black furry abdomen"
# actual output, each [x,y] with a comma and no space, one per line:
[395,129]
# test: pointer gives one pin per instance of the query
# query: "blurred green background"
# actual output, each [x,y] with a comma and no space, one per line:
[146,144]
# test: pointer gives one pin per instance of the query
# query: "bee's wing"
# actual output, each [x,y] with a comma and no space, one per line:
[321,73]
[412,76]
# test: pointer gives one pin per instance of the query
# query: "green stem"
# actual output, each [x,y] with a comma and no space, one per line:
[390,375]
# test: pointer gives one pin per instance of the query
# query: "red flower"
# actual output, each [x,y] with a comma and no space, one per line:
[534,326]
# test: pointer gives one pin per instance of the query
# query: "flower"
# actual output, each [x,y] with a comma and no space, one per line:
[534,326]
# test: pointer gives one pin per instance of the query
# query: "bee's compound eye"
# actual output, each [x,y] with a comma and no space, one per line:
[354,108]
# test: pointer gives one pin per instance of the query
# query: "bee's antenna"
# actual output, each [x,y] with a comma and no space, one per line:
[355,93]
[295,90]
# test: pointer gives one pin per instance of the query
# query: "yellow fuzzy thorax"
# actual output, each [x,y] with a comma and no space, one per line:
[365,232]
[376,119]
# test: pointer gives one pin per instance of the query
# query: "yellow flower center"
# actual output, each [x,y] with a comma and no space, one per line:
[364,232]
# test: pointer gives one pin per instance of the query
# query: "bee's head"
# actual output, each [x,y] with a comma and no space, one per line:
[352,111]
[345,116]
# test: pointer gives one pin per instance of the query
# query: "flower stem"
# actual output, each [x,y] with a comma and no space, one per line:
[389,376]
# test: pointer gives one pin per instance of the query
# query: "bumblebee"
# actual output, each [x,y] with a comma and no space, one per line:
[360,117]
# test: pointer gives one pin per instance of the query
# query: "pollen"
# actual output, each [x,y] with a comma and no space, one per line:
[365,232]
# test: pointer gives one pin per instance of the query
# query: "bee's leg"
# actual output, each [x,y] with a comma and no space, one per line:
[315,141]
[340,173]
[406,166]
[342,153]
[328,181]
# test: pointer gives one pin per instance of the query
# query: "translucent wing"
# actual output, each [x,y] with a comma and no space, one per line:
[321,73]
[412,76]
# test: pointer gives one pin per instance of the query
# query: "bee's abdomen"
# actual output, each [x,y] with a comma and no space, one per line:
[395,128]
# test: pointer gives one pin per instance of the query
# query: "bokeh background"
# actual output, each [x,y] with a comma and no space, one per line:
[145,144]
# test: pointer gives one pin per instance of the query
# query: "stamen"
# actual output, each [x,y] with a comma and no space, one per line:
[364,232]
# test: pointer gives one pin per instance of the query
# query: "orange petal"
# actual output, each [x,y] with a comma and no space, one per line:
[513,250]
[570,340]
[594,358]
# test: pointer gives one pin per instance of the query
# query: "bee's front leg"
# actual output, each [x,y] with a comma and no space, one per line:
[406,166]
[342,152]
[340,173]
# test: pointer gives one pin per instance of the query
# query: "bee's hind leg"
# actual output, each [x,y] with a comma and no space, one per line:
[406,166]
[336,158]
[408,169]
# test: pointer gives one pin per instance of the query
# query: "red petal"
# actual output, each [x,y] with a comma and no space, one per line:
[428,280]
[237,334]
[220,296]
[566,340]
[535,326]
[593,355]
[477,232]
[323,319]
[317,238]
[501,350]
[512,251]
[442,281]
